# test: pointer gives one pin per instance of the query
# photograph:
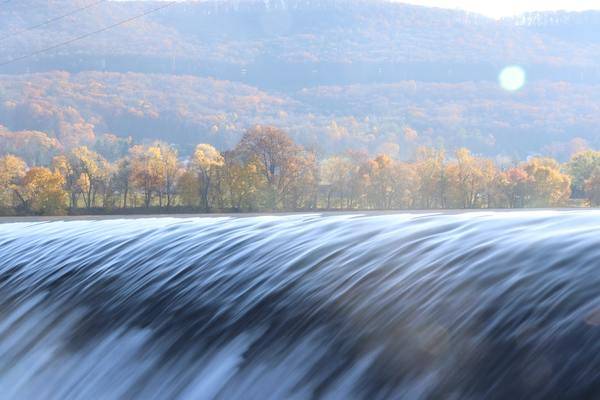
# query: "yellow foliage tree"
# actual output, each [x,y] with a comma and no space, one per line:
[12,170]
[469,180]
[204,161]
[432,185]
[242,183]
[42,191]
[547,185]
[89,170]
[147,171]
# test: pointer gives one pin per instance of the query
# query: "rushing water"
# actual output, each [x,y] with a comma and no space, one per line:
[474,305]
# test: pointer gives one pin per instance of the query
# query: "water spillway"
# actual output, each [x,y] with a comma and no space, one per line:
[464,306]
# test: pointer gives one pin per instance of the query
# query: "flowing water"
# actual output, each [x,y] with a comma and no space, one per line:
[466,306]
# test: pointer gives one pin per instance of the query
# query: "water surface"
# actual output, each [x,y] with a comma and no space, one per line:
[473,305]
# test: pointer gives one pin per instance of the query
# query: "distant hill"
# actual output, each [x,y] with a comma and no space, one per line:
[337,74]
[392,118]
[293,43]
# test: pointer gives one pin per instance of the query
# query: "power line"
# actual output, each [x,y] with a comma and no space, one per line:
[51,20]
[86,35]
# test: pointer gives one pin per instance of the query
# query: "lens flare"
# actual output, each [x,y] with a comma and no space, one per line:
[512,78]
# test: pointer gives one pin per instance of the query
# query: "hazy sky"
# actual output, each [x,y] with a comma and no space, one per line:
[502,8]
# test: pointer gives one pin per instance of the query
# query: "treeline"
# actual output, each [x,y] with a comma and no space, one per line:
[268,171]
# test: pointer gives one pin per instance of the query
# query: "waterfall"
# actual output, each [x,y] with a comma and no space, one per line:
[344,306]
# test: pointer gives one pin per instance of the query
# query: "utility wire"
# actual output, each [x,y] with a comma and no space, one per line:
[51,20]
[86,35]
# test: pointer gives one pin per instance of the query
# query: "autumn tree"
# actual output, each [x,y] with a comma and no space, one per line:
[243,183]
[336,176]
[430,169]
[41,191]
[147,171]
[512,186]
[278,158]
[170,173]
[547,185]
[581,168]
[388,183]
[592,187]
[205,160]
[91,170]
[188,188]
[299,189]
[469,180]
[34,147]
[359,180]
[63,166]
[405,181]
[380,179]
[12,170]
[107,186]
[122,179]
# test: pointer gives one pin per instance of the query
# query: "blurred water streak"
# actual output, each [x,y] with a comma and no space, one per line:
[474,305]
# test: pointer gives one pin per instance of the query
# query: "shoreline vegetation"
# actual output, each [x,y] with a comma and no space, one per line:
[268,172]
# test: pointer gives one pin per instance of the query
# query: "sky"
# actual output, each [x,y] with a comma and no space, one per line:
[505,8]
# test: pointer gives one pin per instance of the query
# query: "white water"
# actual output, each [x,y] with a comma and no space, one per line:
[474,305]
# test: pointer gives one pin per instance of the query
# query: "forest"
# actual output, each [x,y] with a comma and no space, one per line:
[268,171]
[134,106]
[336,75]
[544,119]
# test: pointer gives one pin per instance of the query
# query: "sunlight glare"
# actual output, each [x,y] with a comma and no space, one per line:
[512,78]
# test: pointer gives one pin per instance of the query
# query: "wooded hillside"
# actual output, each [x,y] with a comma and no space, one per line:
[337,75]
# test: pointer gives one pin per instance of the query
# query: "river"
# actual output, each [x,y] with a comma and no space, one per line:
[472,305]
